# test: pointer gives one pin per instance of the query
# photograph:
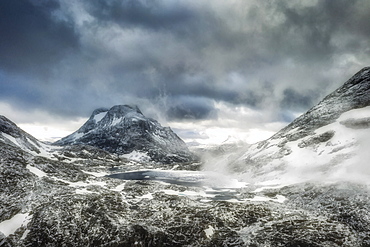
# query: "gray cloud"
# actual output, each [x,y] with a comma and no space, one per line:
[32,39]
[181,57]
[148,14]
[185,107]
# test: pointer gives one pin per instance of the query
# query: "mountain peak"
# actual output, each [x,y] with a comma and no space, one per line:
[124,129]
[124,109]
[360,77]
[118,111]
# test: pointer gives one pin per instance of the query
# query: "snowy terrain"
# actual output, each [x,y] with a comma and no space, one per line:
[336,151]
[305,186]
[328,143]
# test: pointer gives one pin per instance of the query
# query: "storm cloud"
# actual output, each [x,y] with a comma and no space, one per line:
[180,58]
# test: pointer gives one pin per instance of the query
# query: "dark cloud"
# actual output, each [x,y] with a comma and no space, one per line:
[187,107]
[32,39]
[293,100]
[145,14]
[184,57]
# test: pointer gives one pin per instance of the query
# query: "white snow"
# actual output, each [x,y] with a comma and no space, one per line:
[99,116]
[209,231]
[25,234]
[82,184]
[8,227]
[355,113]
[36,171]
[46,150]
[209,194]
[119,187]
[136,156]
[336,159]
[189,193]
[268,187]
[11,138]
[97,174]
[279,199]
[77,135]
[116,121]
[147,196]
[83,191]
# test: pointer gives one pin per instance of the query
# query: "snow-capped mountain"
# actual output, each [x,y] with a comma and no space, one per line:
[330,141]
[124,130]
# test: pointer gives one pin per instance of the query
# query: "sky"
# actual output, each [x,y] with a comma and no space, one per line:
[211,70]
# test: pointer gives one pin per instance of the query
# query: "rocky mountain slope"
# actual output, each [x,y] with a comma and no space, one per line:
[328,141]
[81,195]
[13,135]
[124,130]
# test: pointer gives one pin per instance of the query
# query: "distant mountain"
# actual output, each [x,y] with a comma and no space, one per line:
[327,141]
[124,130]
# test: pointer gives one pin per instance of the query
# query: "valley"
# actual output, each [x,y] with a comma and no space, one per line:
[124,180]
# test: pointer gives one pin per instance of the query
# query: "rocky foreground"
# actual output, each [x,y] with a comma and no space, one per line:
[65,203]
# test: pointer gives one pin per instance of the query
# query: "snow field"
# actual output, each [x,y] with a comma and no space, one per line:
[8,227]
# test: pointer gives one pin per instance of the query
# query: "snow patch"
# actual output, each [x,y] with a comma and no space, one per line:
[209,231]
[278,198]
[137,156]
[77,135]
[147,196]
[36,171]
[25,234]
[11,138]
[119,188]
[46,151]
[97,174]
[189,193]
[81,184]
[99,116]
[83,191]
[355,113]
[8,227]
[116,121]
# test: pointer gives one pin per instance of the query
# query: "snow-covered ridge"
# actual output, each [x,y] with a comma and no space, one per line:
[324,143]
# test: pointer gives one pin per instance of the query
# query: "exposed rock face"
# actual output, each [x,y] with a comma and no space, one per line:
[124,129]
[329,134]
